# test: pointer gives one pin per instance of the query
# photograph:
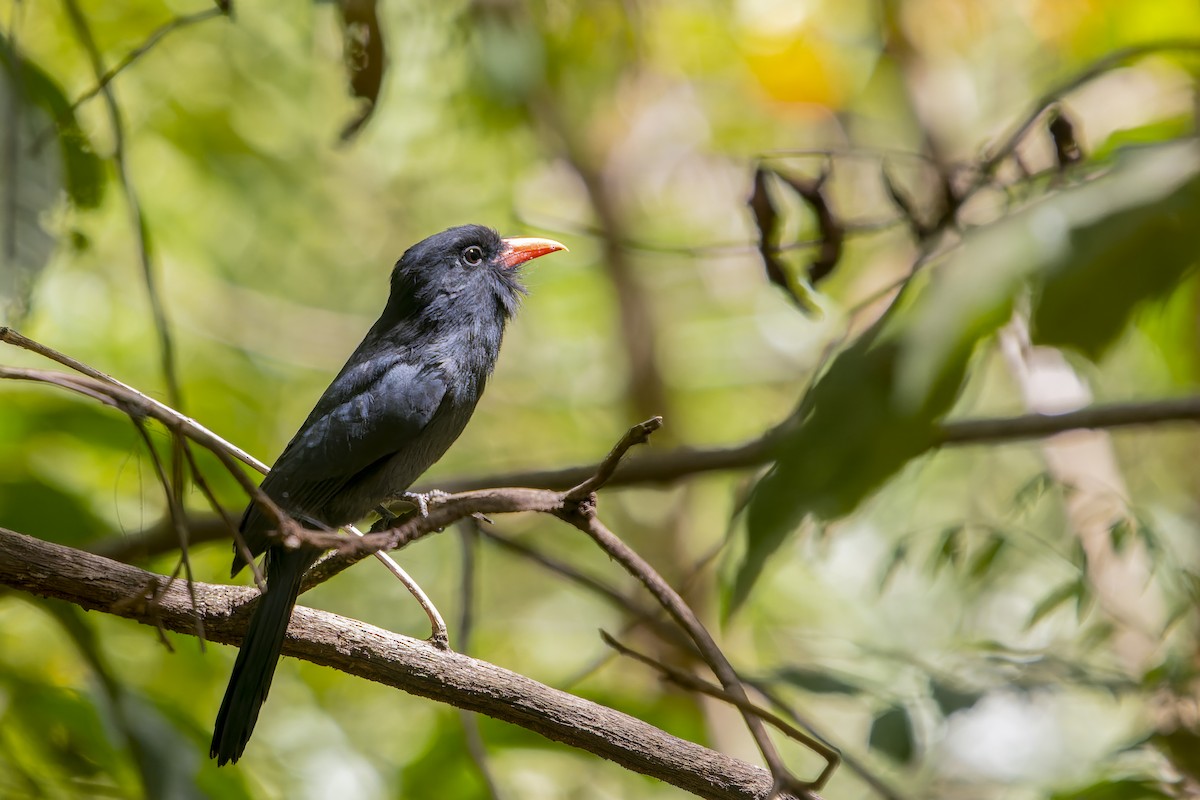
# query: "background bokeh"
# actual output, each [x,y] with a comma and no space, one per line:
[953,631]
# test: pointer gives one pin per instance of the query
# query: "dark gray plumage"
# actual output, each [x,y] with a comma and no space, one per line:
[401,400]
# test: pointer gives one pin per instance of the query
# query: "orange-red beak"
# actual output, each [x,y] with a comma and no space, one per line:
[519,249]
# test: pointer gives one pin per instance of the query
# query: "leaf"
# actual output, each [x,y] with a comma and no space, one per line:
[1032,490]
[949,549]
[1072,589]
[49,512]
[856,437]
[1083,599]
[34,173]
[892,735]
[899,555]
[879,404]
[1119,250]
[1079,556]
[366,59]
[1127,789]
[1097,634]
[1182,747]
[816,681]
[1149,538]
[1158,131]
[767,220]
[949,699]
[832,233]
[982,563]
[1118,534]
[84,177]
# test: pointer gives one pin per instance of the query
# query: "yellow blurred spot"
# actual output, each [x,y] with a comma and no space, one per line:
[796,70]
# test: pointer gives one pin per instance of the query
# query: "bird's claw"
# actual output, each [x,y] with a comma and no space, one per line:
[421,499]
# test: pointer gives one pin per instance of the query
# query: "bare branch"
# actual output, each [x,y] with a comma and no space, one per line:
[1033,426]
[665,467]
[638,434]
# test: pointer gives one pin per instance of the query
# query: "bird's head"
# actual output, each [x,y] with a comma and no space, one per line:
[468,268]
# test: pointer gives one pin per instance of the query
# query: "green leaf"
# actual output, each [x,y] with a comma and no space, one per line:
[858,435]
[1122,243]
[1118,534]
[1127,789]
[950,699]
[83,170]
[1182,747]
[1079,556]
[1162,130]
[1083,599]
[816,681]
[879,404]
[899,555]
[1072,589]
[892,735]
[48,512]
[34,172]
[950,548]
[982,563]
[1032,490]
[1149,538]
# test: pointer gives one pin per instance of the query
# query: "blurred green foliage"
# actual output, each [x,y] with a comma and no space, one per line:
[935,612]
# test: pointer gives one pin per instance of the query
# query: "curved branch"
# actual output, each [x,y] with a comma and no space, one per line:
[413,666]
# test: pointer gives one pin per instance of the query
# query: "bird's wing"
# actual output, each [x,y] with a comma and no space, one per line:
[370,411]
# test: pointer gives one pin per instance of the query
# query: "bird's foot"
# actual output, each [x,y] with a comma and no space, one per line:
[422,499]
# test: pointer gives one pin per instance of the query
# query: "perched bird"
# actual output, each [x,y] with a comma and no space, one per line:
[400,401]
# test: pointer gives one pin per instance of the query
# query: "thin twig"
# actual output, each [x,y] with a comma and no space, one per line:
[178,519]
[636,435]
[439,636]
[665,467]
[136,404]
[140,230]
[234,531]
[476,748]
[552,224]
[157,35]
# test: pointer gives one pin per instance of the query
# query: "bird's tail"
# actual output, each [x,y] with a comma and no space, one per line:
[255,665]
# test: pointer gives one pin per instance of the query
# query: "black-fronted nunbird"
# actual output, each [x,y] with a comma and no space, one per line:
[400,401]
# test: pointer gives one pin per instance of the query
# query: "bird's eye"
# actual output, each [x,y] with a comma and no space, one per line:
[473,256]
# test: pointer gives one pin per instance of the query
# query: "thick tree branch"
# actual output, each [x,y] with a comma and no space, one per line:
[413,666]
